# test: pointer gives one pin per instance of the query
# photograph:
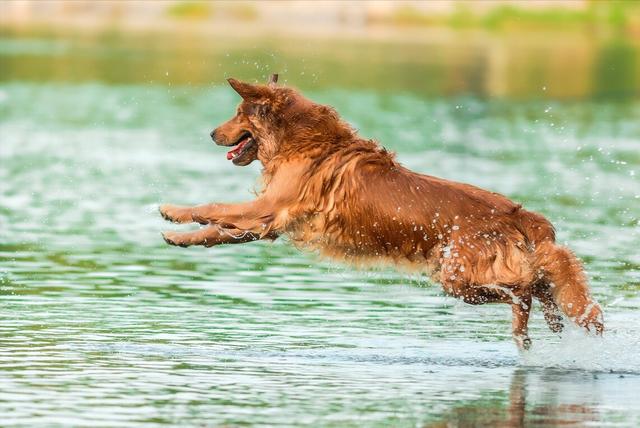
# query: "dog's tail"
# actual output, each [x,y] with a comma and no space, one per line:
[562,272]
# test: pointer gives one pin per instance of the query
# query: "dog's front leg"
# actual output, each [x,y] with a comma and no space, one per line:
[229,214]
[184,214]
[177,213]
[213,235]
[258,216]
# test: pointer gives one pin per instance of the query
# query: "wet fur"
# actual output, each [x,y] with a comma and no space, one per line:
[330,190]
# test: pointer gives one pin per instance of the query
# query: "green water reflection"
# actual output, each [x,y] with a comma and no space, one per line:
[524,65]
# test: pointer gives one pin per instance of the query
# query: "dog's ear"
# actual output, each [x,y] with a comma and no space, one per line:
[250,92]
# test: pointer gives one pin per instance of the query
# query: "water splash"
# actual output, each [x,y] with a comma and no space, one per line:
[617,351]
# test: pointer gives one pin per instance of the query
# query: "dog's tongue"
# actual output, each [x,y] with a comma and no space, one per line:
[236,150]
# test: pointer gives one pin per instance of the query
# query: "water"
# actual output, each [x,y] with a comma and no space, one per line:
[102,324]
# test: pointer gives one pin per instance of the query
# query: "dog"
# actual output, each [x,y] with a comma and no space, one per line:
[329,190]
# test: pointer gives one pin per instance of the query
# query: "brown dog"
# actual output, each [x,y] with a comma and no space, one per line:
[328,189]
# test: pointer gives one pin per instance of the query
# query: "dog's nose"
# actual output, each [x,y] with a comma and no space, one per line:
[213,135]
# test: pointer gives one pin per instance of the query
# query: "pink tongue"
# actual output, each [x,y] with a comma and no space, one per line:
[231,153]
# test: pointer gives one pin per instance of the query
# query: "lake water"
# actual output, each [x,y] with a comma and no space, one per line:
[102,324]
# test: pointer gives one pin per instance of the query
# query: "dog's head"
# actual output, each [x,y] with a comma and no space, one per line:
[271,120]
[249,132]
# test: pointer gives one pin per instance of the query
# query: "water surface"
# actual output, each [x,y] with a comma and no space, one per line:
[102,324]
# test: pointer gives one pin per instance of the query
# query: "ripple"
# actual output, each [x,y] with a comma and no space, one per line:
[100,321]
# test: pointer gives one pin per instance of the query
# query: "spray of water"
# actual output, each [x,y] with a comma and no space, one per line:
[617,351]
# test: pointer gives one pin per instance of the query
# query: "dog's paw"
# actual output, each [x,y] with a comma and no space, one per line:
[175,213]
[199,219]
[595,327]
[592,320]
[523,342]
[173,238]
[554,321]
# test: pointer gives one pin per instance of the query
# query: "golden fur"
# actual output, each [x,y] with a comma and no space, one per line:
[330,190]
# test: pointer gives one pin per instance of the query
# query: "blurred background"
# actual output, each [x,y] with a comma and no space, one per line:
[105,112]
[568,49]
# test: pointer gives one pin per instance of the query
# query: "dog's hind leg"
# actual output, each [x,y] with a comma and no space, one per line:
[552,315]
[568,285]
[520,310]
[519,298]
[520,302]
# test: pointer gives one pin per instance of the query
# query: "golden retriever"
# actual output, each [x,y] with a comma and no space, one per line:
[328,189]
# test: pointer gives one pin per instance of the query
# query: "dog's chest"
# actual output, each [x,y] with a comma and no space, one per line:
[308,231]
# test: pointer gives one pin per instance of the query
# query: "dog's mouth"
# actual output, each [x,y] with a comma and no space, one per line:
[244,145]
